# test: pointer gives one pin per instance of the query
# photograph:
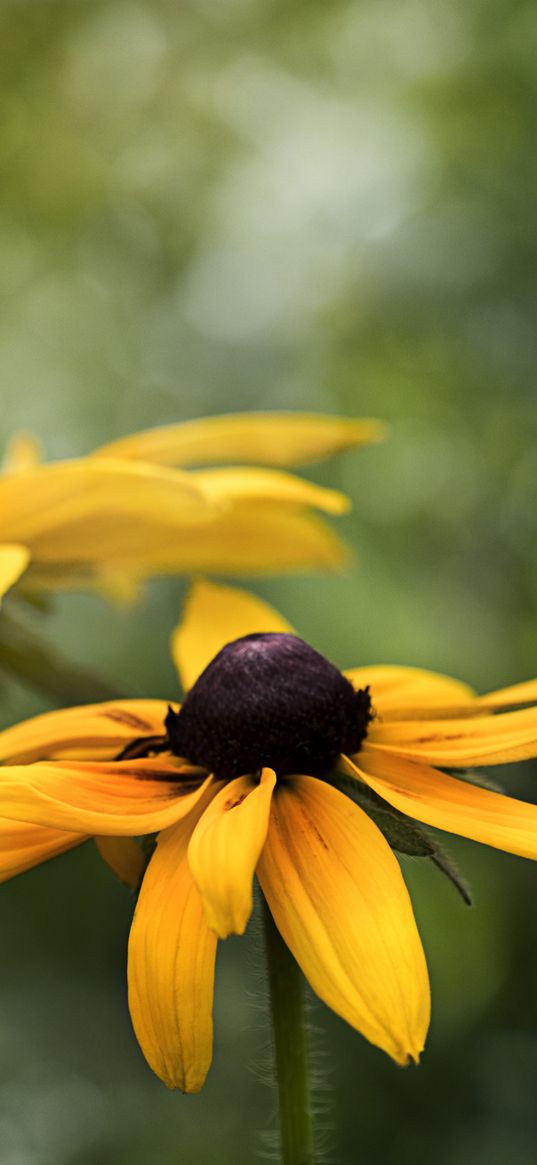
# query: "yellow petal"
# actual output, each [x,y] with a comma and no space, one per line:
[254,438]
[396,692]
[14,559]
[338,898]
[268,485]
[254,539]
[225,847]
[213,616]
[111,798]
[525,693]
[171,967]
[485,740]
[90,732]
[23,452]
[99,511]
[23,846]
[449,803]
[250,539]
[124,857]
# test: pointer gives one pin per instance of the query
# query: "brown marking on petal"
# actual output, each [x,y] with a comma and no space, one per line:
[234,802]
[312,828]
[437,737]
[153,775]
[416,794]
[144,746]
[128,718]
[184,787]
[191,779]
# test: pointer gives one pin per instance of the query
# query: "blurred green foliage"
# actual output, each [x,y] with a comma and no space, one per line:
[241,204]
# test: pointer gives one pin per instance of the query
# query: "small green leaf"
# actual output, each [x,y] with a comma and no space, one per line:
[402,833]
[444,862]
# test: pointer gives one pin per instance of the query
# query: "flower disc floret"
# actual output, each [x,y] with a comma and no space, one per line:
[269,701]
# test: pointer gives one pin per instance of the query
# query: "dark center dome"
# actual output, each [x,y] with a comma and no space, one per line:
[269,701]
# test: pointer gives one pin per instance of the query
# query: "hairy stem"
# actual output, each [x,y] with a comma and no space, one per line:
[290,1048]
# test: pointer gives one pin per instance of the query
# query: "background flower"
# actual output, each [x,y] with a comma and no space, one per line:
[129,510]
[126,513]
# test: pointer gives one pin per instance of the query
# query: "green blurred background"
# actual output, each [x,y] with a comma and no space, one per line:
[245,204]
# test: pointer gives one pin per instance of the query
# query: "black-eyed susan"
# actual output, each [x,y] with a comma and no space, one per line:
[137,508]
[245,779]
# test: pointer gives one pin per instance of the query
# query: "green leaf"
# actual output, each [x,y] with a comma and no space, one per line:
[402,833]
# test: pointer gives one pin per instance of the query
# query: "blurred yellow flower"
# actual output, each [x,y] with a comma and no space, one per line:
[248,777]
[135,508]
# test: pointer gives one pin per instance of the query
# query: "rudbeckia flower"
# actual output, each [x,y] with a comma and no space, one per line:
[136,508]
[266,770]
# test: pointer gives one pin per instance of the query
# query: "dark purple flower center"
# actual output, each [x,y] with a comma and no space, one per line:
[269,701]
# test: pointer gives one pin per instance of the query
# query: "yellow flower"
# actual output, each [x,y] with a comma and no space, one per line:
[135,508]
[244,780]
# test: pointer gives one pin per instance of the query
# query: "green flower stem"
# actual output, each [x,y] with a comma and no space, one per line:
[290,1048]
[31,660]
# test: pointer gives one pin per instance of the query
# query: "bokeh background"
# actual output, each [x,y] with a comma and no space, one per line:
[245,204]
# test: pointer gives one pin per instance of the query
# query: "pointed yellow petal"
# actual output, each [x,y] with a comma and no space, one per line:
[171,967]
[254,438]
[449,803]
[90,732]
[99,511]
[213,616]
[486,740]
[225,847]
[525,693]
[268,485]
[111,798]
[14,559]
[23,846]
[124,857]
[23,452]
[252,538]
[396,692]
[337,896]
